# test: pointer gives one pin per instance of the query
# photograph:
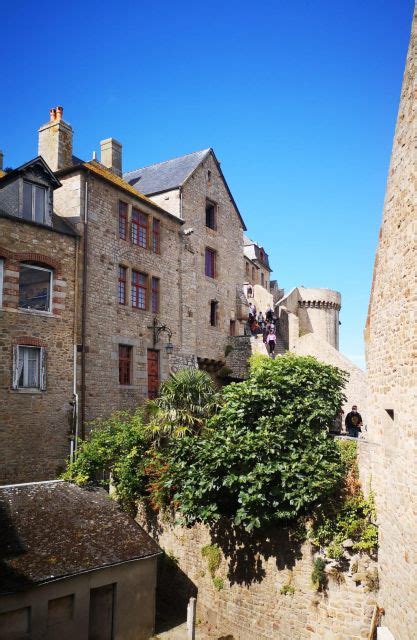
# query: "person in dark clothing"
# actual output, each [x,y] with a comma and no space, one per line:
[353,422]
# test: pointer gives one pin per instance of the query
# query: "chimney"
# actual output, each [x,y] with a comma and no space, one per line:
[55,141]
[1,160]
[111,155]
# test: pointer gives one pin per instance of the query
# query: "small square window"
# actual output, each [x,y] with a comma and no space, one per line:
[210,215]
[35,284]
[125,364]
[29,367]
[210,263]
[34,202]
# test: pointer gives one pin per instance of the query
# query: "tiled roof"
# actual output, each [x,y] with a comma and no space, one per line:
[101,170]
[167,175]
[52,530]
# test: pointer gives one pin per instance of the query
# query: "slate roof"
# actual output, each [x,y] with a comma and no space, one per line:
[52,530]
[167,175]
[252,251]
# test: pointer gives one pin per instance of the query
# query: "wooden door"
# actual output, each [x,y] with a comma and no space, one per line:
[153,373]
[101,613]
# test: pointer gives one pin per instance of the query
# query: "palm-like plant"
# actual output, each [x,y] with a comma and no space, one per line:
[187,400]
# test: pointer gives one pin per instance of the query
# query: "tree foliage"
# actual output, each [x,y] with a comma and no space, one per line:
[266,457]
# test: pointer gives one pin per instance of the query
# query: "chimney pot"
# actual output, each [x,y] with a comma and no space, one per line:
[52,115]
[59,113]
[55,141]
[111,155]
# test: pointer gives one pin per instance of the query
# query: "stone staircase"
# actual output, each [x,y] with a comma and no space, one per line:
[258,346]
[245,346]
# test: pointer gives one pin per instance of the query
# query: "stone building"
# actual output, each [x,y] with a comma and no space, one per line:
[391,338]
[37,325]
[257,274]
[193,189]
[309,325]
[73,566]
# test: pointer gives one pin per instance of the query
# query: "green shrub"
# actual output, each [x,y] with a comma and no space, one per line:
[218,583]
[266,457]
[318,575]
[213,555]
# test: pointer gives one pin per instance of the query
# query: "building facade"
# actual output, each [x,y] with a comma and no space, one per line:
[37,325]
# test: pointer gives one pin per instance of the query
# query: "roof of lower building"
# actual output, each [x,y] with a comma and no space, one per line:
[59,224]
[166,175]
[52,530]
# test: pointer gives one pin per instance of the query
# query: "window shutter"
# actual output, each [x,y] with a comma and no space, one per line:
[15,381]
[42,370]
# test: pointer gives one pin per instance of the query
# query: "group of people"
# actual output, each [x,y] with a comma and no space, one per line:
[264,324]
[353,423]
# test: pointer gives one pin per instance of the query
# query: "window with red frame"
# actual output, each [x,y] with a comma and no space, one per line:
[122,284]
[139,290]
[155,295]
[122,220]
[210,267]
[156,228]
[125,364]
[139,228]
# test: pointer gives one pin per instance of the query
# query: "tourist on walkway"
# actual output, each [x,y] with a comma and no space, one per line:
[269,313]
[252,312]
[353,422]
[270,341]
[261,320]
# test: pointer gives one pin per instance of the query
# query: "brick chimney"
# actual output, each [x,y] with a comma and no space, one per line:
[55,141]
[111,155]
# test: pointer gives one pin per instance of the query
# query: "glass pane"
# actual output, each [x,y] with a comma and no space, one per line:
[27,201]
[33,368]
[39,204]
[34,288]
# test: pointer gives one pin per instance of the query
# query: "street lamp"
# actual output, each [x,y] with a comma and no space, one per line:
[158,328]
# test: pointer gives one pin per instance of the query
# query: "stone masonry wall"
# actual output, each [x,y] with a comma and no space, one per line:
[34,427]
[249,603]
[391,338]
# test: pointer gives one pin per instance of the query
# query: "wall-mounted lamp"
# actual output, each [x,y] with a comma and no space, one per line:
[158,328]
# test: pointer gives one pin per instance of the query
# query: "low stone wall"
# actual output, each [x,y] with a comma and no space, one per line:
[246,600]
[237,358]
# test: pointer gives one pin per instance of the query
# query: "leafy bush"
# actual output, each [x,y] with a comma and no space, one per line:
[213,555]
[318,575]
[187,400]
[116,446]
[348,514]
[266,457]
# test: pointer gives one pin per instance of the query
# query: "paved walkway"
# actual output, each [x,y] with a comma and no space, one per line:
[176,633]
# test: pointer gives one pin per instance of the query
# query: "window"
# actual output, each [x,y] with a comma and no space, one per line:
[15,624]
[60,610]
[232,331]
[156,246]
[210,215]
[247,269]
[139,228]
[210,267]
[213,313]
[139,290]
[1,281]
[34,202]
[155,295]
[262,279]
[253,274]
[35,285]
[125,364]
[122,220]
[122,284]
[29,367]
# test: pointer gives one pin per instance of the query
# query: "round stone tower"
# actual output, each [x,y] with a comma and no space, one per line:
[318,313]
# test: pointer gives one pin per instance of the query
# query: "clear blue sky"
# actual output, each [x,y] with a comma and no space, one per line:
[298,99]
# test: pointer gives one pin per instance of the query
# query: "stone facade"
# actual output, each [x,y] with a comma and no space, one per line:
[34,427]
[391,336]
[249,601]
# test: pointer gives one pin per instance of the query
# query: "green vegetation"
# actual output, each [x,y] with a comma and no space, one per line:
[218,583]
[213,555]
[348,514]
[288,588]
[318,575]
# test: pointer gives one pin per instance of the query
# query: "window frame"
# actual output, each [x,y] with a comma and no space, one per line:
[41,366]
[51,282]
[155,294]
[1,281]
[126,363]
[210,268]
[138,228]
[213,222]
[156,235]
[214,313]
[123,219]
[122,282]
[138,286]
[34,186]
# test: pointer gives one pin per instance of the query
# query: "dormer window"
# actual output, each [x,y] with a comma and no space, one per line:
[34,202]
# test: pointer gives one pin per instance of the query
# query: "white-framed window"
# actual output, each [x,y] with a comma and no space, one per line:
[29,367]
[34,202]
[35,287]
[1,281]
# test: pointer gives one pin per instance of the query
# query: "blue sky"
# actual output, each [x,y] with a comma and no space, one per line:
[298,99]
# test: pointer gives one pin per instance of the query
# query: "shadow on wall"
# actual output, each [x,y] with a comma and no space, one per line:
[173,591]
[246,552]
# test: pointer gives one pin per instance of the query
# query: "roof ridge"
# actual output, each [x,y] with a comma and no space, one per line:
[154,164]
